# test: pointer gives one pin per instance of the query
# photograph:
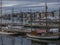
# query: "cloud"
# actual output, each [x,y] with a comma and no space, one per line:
[8,5]
[26,3]
[34,5]
[14,3]
[43,4]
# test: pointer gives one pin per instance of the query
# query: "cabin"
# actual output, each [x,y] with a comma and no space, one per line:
[41,32]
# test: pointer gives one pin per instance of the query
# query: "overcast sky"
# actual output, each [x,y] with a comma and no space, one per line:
[25,5]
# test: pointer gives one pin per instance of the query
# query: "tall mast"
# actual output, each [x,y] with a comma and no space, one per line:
[1,20]
[21,17]
[59,19]
[31,18]
[1,13]
[46,14]
[39,17]
[21,14]
[12,15]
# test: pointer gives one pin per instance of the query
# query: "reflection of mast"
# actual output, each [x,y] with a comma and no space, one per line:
[46,14]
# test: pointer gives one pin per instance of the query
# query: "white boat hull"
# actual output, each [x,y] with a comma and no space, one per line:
[6,33]
[43,37]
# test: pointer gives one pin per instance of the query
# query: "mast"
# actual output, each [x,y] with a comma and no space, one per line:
[22,17]
[31,18]
[1,20]
[46,14]
[59,19]
[39,17]
[12,15]
[21,14]
[12,10]
[34,16]
[1,14]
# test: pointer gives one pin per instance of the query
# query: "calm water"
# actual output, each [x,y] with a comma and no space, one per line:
[10,40]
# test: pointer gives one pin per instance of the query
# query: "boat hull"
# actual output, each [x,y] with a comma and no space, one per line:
[44,37]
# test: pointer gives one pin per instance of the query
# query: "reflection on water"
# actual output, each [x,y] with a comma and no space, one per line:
[10,40]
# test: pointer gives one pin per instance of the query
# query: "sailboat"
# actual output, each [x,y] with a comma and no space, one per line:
[45,35]
[4,32]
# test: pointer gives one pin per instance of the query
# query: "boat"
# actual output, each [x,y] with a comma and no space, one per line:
[44,37]
[42,34]
[7,33]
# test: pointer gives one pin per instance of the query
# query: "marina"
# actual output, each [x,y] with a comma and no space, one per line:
[19,27]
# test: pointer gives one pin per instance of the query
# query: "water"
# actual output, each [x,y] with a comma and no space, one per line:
[11,40]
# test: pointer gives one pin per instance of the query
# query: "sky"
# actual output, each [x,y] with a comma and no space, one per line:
[26,5]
